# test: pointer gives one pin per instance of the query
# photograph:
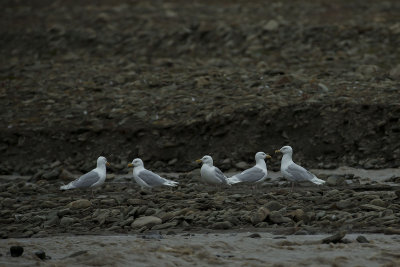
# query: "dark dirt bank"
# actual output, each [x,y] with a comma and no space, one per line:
[172,81]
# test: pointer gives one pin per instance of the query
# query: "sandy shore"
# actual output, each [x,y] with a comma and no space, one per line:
[231,249]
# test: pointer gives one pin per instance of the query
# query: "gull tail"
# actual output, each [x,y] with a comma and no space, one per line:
[232,180]
[318,181]
[66,187]
[170,183]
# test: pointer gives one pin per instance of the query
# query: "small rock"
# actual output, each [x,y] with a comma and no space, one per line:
[16,251]
[66,175]
[369,207]
[80,204]
[148,221]
[362,239]
[334,238]
[335,180]
[66,221]
[40,254]
[367,69]
[343,204]
[274,205]
[276,217]
[222,225]
[271,25]
[298,215]
[51,175]
[260,215]
[255,235]
[241,165]
[378,202]
[395,73]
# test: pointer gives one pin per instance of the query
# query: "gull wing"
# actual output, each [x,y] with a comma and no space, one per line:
[86,180]
[299,173]
[251,175]
[151,178]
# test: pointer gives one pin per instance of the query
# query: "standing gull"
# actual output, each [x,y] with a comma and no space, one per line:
[294,172]
[146,178]
[92,179]
[256,174]
[209,173]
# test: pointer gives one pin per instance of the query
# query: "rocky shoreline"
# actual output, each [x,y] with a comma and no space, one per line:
[39,209]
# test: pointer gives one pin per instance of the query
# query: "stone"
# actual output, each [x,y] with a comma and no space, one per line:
[274,205]
[80,204]
[367,70]
[255,235]
[271,25]
[369,207]
[148,221]
[362,239]
[297,215]
[259,216]
[66,221]
[65,175]
[345,203]
[241,165]
[40,254]
[378,202]
[222,225]
[52,220]
[334,238]
[51,175]
[16,251]
[335,180]
[395,73]
[276,217]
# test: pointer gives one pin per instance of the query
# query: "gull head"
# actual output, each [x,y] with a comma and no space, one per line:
[136,163]
[285,150]
[206,160]
[262,155]
[102,161]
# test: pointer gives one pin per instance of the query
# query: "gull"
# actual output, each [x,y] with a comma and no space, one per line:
[146,178]
[256,174]
[92,179]
[294,172]
[209,173]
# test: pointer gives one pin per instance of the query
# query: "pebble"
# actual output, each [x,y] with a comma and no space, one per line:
[16,251]
[80,204]
[362,239]
[41,255]
[334,238]
[255,235]
[147,221]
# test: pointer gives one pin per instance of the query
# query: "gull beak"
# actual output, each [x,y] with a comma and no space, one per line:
[277,151]
[130,165]
[108,163]
[198,160]
[268,157]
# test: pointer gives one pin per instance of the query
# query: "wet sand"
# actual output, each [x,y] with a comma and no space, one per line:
[230,249]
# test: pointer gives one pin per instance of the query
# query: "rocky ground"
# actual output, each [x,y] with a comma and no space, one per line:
[38,209]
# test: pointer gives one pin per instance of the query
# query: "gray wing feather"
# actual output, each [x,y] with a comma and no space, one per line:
[251,175]
[86,180]
[220,175]
[299,173]
[151,178]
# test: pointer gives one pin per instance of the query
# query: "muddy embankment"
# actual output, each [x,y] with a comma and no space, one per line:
[323,136]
